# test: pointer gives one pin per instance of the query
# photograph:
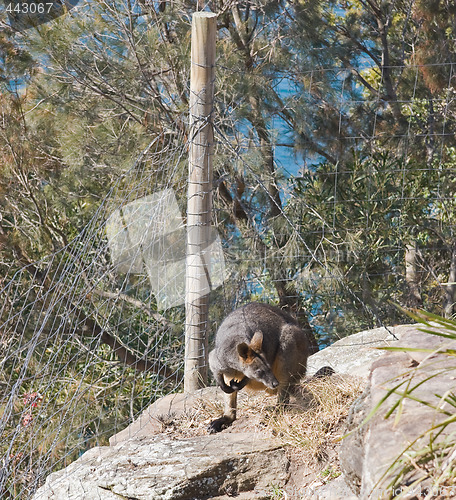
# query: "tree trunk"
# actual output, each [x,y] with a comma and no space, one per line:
[450,288]
[367,297]
[289,299]
[413,295]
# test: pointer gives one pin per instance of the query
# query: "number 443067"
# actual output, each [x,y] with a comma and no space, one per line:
[29,8]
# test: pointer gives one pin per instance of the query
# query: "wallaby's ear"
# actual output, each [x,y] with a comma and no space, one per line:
[256,344]
[245,352]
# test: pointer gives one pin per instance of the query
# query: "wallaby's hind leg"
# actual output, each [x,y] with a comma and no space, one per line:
[283,397]
[229,414]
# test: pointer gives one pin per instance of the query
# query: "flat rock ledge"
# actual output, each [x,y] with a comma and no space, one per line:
[161,468]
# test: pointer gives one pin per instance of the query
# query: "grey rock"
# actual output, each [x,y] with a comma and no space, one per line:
[368,452]
[354,355]
[169,407]
[161,468]
[154,418]
[337,489]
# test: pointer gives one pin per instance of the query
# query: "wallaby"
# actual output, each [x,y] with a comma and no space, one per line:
[257,346]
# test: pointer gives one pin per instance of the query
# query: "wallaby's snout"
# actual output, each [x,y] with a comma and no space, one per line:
[266,377]
[270,384]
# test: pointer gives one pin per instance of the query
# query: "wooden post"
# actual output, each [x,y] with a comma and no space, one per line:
[199,205]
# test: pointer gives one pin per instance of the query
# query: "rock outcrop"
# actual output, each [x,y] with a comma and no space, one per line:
[368,453]
[147,461]
[162,468]
[157,417]
[354,355]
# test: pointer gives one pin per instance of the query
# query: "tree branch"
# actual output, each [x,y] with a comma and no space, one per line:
[88,326]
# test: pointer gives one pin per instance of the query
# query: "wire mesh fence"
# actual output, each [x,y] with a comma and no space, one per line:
[85,342]
[338,232]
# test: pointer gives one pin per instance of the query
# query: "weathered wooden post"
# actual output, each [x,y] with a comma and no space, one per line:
[199,205]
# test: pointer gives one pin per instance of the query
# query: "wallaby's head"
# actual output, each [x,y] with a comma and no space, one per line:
[254,364]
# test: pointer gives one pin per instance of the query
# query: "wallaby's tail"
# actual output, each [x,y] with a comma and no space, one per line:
[325,371]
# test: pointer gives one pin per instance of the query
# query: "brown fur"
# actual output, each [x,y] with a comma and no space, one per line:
[259,347]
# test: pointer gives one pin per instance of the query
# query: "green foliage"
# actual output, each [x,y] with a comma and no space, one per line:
[99,98]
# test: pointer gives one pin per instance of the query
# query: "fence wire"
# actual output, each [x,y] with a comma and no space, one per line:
[85,345]
[93,334]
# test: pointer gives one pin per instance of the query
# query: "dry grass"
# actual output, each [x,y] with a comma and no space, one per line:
[314,423]
[309,426]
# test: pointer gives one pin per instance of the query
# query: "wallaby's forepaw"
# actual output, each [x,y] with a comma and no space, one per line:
[238,385]
[219,424]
